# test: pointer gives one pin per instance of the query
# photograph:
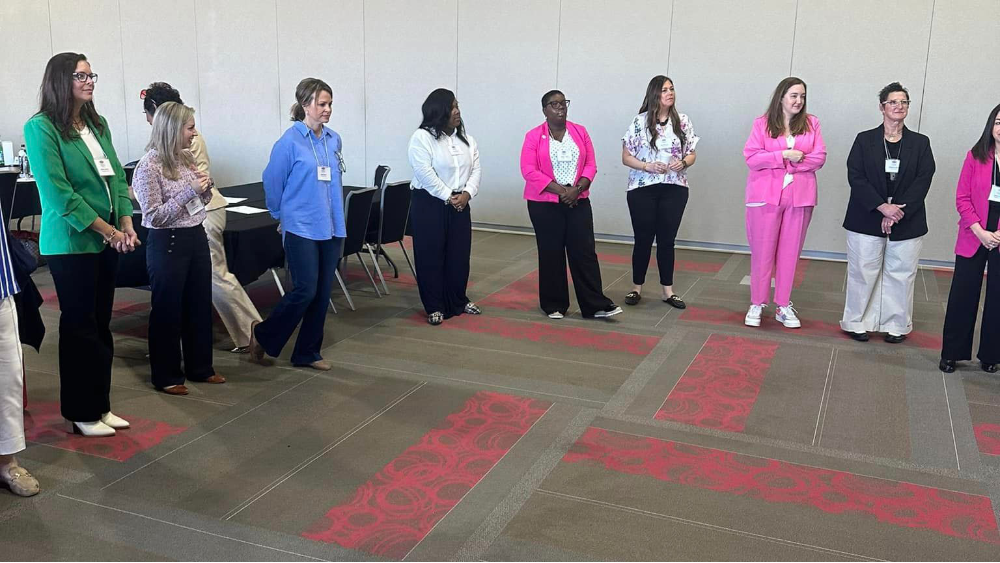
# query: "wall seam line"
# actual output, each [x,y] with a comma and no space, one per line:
[121,50]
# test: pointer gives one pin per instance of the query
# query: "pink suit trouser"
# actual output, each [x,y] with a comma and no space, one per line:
[776,234]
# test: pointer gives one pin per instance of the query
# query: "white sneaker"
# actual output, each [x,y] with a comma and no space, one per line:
[556,315]
[611,311]
[114,421]
[787,317]
[753,315]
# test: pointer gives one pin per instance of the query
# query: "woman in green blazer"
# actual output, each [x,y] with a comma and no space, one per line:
[86,223]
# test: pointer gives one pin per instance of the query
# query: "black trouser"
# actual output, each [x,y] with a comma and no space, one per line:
[180,275]
[561,231]
[656,212]
[442,243]
[85,286]
[963,303]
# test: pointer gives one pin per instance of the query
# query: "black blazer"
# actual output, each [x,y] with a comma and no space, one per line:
[866,175]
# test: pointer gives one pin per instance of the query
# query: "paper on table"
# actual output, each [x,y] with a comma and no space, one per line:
[246,210]
[232,200]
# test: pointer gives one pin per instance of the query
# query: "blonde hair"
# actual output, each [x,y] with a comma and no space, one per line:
[166,138]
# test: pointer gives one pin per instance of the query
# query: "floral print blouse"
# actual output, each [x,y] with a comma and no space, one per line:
[636,141]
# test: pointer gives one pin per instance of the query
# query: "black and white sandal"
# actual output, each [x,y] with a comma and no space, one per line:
[435,318]
[633,298]
[675,302]
[472,309]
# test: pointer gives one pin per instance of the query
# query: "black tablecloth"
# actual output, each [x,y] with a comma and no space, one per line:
[26,204]
[252,242]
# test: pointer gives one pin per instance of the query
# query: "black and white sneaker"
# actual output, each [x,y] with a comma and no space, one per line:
[610,311]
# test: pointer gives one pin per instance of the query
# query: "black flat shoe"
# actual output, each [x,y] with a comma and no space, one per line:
[988,368]
[894,338]
[947,366]
[675,302]
[633,298]
[859,336]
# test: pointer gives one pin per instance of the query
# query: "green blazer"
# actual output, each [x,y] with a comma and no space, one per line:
[72,192]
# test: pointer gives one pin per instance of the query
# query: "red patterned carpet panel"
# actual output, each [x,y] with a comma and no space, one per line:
[519,295]
[390,514]
[988,438]
[717,316]
[43,424]
[721,385]
[906,505]
[547,333]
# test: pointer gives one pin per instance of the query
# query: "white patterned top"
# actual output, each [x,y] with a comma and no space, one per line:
[636,142]
[565,157]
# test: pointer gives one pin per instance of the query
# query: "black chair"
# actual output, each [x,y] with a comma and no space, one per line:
[394,214]
[381,176]
[357,208]
[130,171]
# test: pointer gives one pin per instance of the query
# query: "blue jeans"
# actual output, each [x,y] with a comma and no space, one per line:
[313,267]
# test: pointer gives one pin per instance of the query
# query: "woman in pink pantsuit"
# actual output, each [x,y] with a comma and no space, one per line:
[783,153]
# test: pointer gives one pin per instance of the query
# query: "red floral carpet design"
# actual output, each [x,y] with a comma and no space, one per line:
[711,315]
[988,438]
[44,424]
[955,514]
[721,386]
[547,333]
[679,265]
[392,512]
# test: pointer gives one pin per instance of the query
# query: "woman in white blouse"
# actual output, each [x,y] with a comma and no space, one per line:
[446,176]
[659,148]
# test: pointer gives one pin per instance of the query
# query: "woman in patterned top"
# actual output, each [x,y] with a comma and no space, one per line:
[659,148]
[558,165]
[172,194]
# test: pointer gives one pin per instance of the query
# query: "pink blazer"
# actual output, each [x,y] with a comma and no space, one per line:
[536,163]
[972,199]
[768,167]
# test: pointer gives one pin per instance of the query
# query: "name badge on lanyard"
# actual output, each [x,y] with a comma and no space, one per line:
[194,206]
[892,166]
[323,173]
[563,154]
[104,167]
[454,150]
[662,144]
[995,193]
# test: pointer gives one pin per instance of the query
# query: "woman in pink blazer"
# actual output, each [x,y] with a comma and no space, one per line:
[558,165]
[978,201]
[783,153]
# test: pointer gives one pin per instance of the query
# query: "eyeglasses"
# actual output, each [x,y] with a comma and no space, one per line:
[558,104]
[897,103]
[83,76]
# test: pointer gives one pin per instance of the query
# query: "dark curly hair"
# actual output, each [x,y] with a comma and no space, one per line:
[157,94]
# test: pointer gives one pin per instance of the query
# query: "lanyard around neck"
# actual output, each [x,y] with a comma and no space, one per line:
[325,151]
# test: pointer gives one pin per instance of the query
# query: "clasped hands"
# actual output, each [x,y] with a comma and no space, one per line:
[570,195]
[125,240]
[989,239]
[460,200]
[891,214]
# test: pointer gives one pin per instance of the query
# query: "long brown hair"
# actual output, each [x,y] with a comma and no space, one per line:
[651,105]
[56,96]
[799,123]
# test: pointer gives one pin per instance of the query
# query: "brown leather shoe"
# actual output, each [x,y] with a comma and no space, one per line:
[174,390]
[215,378]
[321,365]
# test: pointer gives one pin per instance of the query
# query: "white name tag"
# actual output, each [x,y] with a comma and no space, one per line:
[564,155]
[995,194]
[104,167]
[892,165]
[454,150]
[194,206]
[323,173]
[662,144]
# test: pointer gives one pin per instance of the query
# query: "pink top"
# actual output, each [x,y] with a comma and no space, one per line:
[536,162]
[972,199]
[768,167]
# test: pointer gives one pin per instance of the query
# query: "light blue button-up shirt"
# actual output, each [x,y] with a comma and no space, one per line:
[306,206]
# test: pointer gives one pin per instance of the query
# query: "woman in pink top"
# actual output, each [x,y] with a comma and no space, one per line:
[783,153]
[558,165]
[978,203]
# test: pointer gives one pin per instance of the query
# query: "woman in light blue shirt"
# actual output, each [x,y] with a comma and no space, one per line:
[303,189]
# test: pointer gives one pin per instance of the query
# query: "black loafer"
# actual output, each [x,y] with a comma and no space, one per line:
[859,336]
[947,366]
[988,368]
[675,302]
[633,298]
[894,338]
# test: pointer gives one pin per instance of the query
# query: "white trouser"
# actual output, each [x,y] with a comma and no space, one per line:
[228,297]
[11,381]
[880,277]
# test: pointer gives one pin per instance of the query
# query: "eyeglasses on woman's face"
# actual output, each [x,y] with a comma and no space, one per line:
[556,104]
[83,76]
[897,103]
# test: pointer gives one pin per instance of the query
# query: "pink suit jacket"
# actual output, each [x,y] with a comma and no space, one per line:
[768,167]
[972,199]
[536,163]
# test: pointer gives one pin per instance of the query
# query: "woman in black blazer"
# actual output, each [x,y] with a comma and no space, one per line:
[889,169]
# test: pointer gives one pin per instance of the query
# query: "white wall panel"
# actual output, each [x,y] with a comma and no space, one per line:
[962,88]
[410,49]
[500,89]
[725,64]
[604,66]
[845,60]
[93,27]
[171,57]
[238,77]
[25,48]
[336,56]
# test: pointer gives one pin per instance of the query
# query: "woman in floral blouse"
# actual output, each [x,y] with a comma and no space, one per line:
[172,194]
[659,148]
